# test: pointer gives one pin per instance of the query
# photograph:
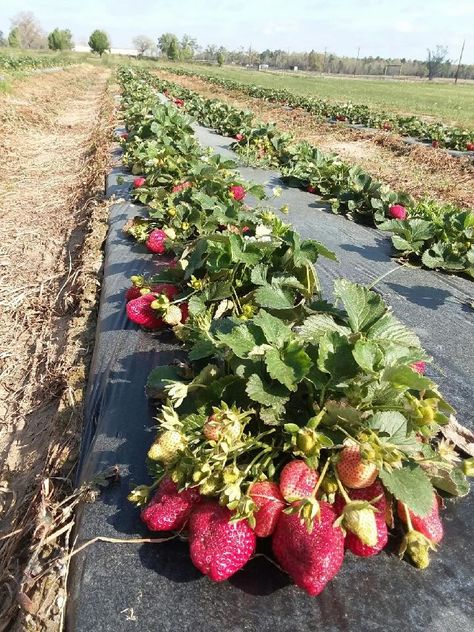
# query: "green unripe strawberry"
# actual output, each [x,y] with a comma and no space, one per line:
[306,440]
[167,446]
[418,547]
[358,517]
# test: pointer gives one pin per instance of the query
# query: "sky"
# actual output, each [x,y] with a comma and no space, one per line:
[388,28]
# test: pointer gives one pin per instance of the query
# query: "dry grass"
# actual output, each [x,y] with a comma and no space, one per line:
[420,171]
[55,134]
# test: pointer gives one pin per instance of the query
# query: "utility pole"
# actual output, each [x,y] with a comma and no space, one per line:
[357,59]
[459,63]
[324,62]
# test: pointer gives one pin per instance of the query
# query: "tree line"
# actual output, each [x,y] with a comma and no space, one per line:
[26,32]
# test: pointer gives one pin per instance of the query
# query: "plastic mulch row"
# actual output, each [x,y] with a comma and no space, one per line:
[155,587]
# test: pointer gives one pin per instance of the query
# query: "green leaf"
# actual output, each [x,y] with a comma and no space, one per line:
[314,327]
[404,376]
[335,357]
[196,305]
[274,329]
[454,482]
[278,370]
[264,393]
[274,298]
[202,349]
[296,357]
[388,328]
[367,355]
[411,486]
[363,306]
[258,275]
[159,378]
[240,340]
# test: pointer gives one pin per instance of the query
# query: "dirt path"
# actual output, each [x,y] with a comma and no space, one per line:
[54,130]
[421,171]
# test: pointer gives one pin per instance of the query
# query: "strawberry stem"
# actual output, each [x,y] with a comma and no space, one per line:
[344,494]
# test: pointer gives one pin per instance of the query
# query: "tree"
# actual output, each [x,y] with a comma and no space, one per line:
[28,30]
[99,42]
[3,41]
[220,58]
[143,44]
[188,47]
[60,40]
[169,46]
[14,40]
[437,61]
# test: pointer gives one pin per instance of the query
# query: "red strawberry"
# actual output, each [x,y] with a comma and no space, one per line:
[270,502]
[470,147]
[354,543]
[310,189]
[219,548]
[239,137]
[180,187]
[419,367]
[297,480]
[184,312]
[140,312]
[341,117]
[138,182]
[156,241]
[132,293]
[124,135]
[354,472]
[169,509]
[387,126]
[167,289]
[397,211]
[430,525]
[311,559]
[237,192]
[435,144]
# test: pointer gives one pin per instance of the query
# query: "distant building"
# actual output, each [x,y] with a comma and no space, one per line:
[130,52]
[263,66]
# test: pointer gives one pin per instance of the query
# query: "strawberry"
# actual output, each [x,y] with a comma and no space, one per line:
[138,182]
[169,509]
[419,367]
[184,307]
[353,472]
[124,135]
[430,526]
[353,542]
[397,211]
[139,311]
[387,126]
[311,189]
[269,502]
[156,241]
[167,289]
[237,192]
[297,480]
[239,137]
[311,559]
[180,187]
[132,292]
[341,117]
[435,144]
[470,147]
[218,547]
[167,446]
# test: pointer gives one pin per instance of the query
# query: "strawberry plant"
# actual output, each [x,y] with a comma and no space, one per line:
[292,418]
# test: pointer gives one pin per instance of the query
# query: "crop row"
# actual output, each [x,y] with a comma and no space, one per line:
[292,418]
[30,62]
[439,236]
[438,134]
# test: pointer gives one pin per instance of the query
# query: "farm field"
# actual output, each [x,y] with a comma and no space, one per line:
[452,104]
[418,170]
[211,304]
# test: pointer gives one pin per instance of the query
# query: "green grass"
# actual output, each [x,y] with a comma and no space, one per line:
[452,104]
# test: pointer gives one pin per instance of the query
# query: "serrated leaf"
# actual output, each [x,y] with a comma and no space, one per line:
[202,349]
[411,486]
[335,357]
[363,306]
[406,377]
[259,273]
[159,378]
[454,482]
[274,329]
[314,327]
[196,305]
[264,393]
[367,355]
[274,297]
[388,328]
[278,370]
[240,340]
[393,424]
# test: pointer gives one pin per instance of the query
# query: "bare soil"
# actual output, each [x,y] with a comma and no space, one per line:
[54,134]
[420,171]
